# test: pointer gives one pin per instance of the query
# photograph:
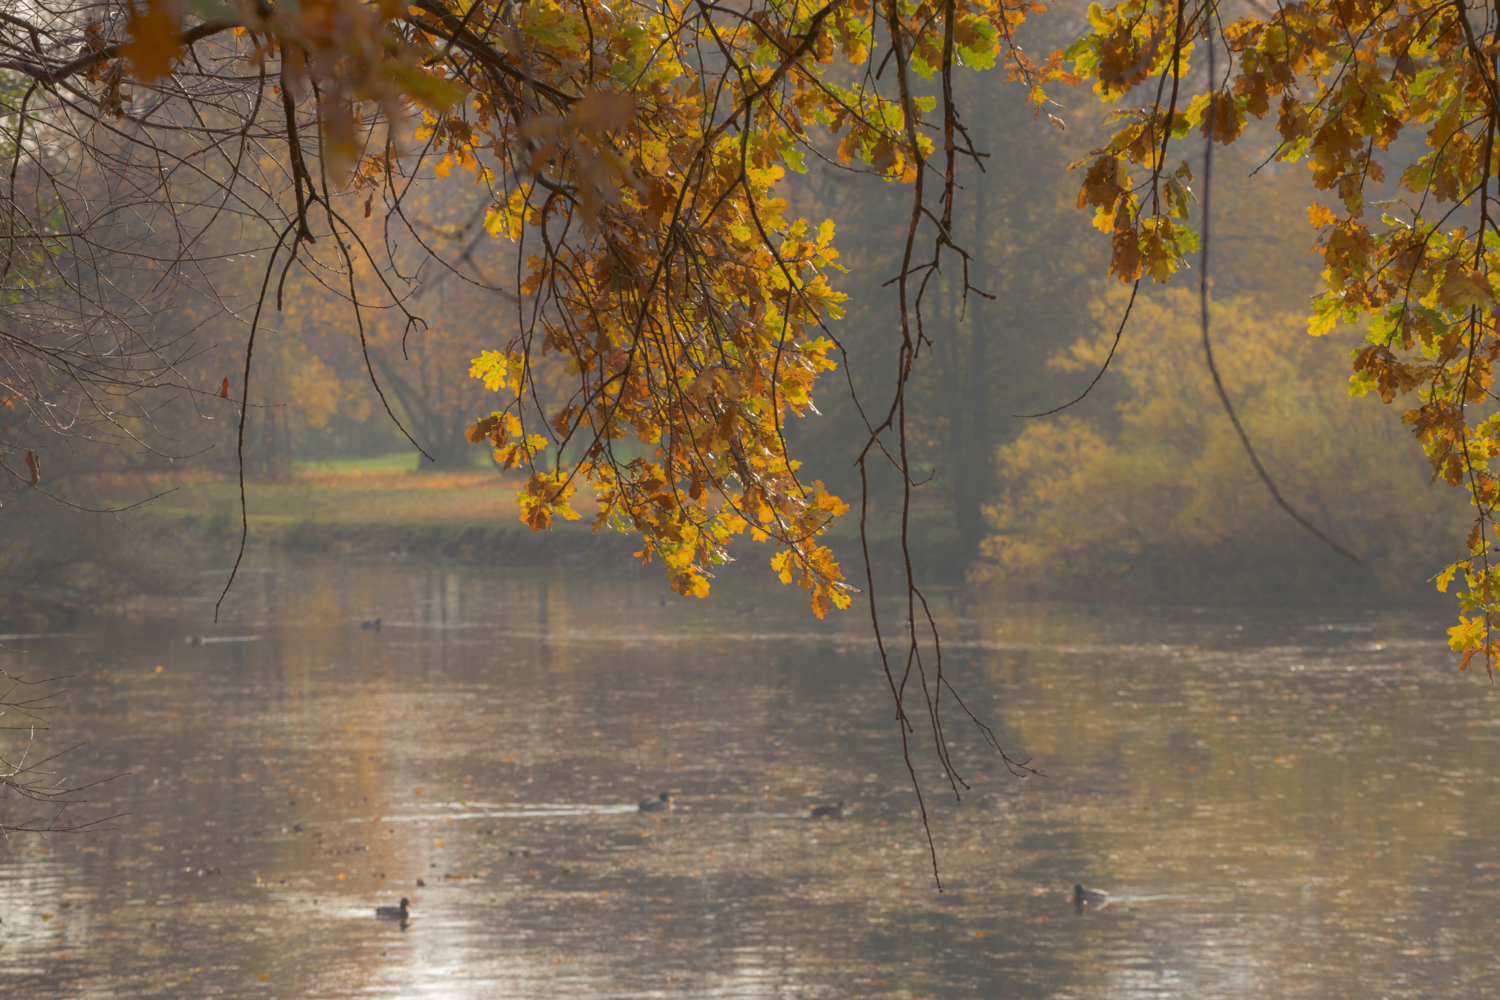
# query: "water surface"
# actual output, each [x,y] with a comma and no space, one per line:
[1287,804]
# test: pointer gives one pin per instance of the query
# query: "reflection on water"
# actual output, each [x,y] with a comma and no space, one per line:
[1278,804]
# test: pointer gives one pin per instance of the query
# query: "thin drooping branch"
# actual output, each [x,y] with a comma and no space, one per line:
[1208,348]
[909,302]
[1114,346]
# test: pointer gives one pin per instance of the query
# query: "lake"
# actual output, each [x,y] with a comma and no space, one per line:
[1279,803]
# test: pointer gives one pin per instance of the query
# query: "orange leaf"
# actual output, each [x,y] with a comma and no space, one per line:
[224,389]
[1463,289]
[602,110]
[155,39]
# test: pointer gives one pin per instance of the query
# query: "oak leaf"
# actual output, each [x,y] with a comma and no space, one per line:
[155,38]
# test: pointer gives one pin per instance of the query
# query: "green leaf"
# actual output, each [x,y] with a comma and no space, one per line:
[1325,315]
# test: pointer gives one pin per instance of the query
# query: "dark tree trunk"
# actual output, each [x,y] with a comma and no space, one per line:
[964,360]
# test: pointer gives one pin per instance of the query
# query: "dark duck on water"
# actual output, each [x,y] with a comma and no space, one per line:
[662,803]
[393,912]
[1092,898]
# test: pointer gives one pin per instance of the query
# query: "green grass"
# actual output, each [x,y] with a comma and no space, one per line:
[350,496]
[396,461]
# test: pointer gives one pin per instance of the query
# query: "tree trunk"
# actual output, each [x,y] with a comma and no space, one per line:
[976,441]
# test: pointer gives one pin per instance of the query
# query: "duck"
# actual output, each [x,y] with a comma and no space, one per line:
[373,625]
[828,812]
[1087,897]
[662,803]
[393,912]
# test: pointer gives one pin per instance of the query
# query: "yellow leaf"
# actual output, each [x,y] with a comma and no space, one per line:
[491,366]
[1320,216]
[497,222]
[654,157]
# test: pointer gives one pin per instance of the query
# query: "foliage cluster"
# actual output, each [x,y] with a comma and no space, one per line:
[640,148]
[1153,494]
[1346,84]
[636,154]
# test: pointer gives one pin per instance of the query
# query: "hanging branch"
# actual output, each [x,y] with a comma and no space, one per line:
[1208,349]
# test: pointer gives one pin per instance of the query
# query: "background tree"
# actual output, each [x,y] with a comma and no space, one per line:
[1345,81]
[454,268]
[988,348]
[1152,492]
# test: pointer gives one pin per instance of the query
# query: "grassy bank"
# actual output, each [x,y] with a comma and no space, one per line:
[374,506]
[379,506]
[64,563]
